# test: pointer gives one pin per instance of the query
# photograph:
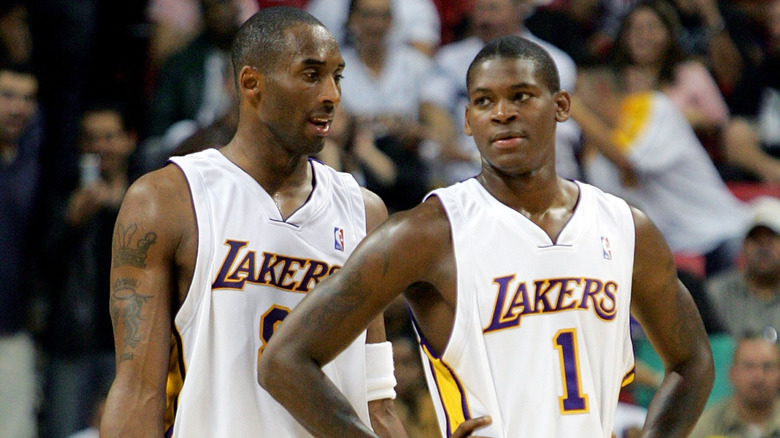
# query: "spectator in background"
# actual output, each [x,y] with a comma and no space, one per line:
[351,148]
[648,56]
[648,152]
[415,22]
[753,142]
[444,95]
[709,31]
[78,340]
[174,23]
[585,29]
[189,85]
[19,183]
[672,177]
[382,93]
[748,299]
[754,409]
[213,135]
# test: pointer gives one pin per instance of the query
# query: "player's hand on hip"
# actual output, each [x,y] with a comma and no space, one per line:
[467,427]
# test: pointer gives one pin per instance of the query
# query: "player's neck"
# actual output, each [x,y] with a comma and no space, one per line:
[273,169]
[531,194]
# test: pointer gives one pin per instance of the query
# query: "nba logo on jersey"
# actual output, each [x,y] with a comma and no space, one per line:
[607,251]
[338,238]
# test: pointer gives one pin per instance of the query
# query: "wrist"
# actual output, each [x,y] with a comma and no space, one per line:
[380,380]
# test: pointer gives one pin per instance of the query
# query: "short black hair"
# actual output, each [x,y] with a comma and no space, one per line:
[515,47]
[99,105]
[260,40]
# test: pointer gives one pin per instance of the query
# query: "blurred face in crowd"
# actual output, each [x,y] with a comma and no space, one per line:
[755,372]
[762,253]
[494,18]
[104,134]
[18,93]
[370,21]
[647,38]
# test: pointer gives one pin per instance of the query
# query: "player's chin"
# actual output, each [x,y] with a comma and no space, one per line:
[510,163]
[315,145]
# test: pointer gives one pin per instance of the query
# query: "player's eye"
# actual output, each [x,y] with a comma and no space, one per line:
[522,96]
[481,101]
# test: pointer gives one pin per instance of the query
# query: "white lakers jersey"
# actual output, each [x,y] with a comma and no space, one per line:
[540,340]
[251,270]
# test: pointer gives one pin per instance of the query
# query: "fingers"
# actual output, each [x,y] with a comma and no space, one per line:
[467,427]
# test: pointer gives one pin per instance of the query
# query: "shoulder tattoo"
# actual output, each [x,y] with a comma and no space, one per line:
[131,249]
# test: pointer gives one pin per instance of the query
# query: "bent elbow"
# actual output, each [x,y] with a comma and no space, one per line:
[273,369]
[268,367]
[708,372]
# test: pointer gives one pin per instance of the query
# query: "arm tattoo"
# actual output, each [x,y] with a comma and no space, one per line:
[130,249]
[126,305]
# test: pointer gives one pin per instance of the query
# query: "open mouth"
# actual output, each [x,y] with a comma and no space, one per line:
[321,125]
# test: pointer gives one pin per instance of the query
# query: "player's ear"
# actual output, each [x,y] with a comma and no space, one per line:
[466,125]
[562,105]
[250,83]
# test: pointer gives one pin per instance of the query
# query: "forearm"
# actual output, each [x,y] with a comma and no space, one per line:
[310,397]
[129,413]
[726,61]
[742,147]
[680,399]
[599,134]
[377,163]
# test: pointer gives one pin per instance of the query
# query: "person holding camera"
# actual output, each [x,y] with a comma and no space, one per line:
[78,338]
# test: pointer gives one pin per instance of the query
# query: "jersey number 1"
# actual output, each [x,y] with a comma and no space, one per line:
[573,400]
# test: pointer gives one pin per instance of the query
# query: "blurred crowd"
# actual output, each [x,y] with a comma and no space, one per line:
[676,108]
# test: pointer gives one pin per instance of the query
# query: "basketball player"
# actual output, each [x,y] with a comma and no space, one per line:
[213,251]
[520,284]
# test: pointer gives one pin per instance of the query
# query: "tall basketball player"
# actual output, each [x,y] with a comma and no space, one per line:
[521,285]
[213,251]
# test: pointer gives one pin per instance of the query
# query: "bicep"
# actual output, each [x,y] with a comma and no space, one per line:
[142,286]
[376,211]
[660,302]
